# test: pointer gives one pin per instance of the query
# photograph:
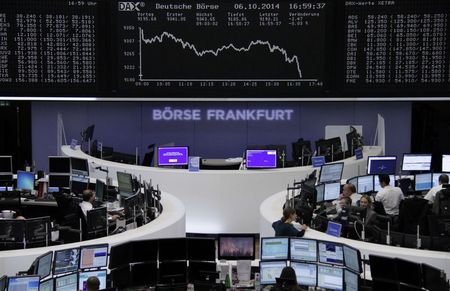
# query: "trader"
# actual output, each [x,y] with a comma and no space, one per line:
[88,199]
[389,196]
[431,195]
[287,225]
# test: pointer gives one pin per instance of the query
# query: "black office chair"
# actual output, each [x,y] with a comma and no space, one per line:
[37,232]
[11,234]
[413,212]
[95,225]
[441,205]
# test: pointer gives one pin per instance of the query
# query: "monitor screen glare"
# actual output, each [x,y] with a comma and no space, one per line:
[381,165]
[351,281]
[26,283]
[125,182]
[416,162]
[274,248]
[83,276]
[66,261]
[332,191]
[25,180]
[270,270]
[352,259]
[47,285]
[330,278]
[93,256]
[331,253]
[44,265]
[365,184]
[331,172]
[173,156]
[261,159]
[423,181]
[320,192]
[306,273]
[303,250]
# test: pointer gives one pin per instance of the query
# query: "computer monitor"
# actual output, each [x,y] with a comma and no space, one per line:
[365,184]
[83,276]
[23,283]
[147,251]
[78,184]
[416,162]
[330,253]
[66,261]
[172,272]
[125,183]
[101,191]
[261,159]
[173,156]
[433,278]
[66,282]
[446,163]
[383,268]
[381,165]
[436,178]
[331,172]
[320,188]
[330,278]
[270,270]
[47,285]
[3,281]
[332,191]
[172,249]
[201,249]
[79,166]
[6,164]
[409,272]
[202,271]
[25,181]
[306,273]
[352,259]
[60,181]
[423,182]
[44,265]
[351,281]
[376,182]
[303,249]
[236,246]
[353,181]
[59,165]
[93,256]
[334,229]
[274,248]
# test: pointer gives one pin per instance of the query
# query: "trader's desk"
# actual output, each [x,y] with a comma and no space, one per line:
[219,201]
[171,223]
[270,211]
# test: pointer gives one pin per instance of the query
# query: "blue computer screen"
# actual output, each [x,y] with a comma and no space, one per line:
[423,181]
[66,261]
[332,191]
[26,283]
[331,253]
[331,172]
[261,159]
[334,229]
[67,283]
[25,180]
[275,248]
[381,165]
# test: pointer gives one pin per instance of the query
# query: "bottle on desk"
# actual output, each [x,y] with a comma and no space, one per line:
[227,282]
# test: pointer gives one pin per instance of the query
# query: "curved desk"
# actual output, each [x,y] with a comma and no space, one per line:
[171,223]
[270,211]
[219,201]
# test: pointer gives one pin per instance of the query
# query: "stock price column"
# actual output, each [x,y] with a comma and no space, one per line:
[48,47]
[221,49]
[397,47]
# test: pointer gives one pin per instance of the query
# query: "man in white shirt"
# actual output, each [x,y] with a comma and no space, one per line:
[389,196]
[348,190]
[88,199]
[431,195]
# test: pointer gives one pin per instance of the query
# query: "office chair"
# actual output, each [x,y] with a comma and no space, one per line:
[11,234]
[441,205]
[413,212]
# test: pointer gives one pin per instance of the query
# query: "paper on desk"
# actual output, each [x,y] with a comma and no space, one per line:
[244,269]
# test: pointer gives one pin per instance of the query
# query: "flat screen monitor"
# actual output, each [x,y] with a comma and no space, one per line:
[47,285]
[94,256]
[261,159]
[376,182]
[306,273]
[83,276]
[409,272]
[353,181]
[120,255]
[147,251]
[416,162]
[67,282]
[334,229]
[332,191]
[320,188]
[330,278]
[270,270]
[24,283]
[60,181]
[171,249]
[125,183]
[274,248]
[436,178]
[100,191]
[352,259]
[78,184]
[330,253]
[172,272]
[423,182]
[3,281]
[66,261]
[6,164]
[6,188]
[201,249]
[201,271]
[303,249]
[173,156]
[446,163]
[79,166]
[381,165]
[331,172]
[44,265]
[236,247]
[59,165]
[433,278]
[365,184]
[351,281]
[25,180]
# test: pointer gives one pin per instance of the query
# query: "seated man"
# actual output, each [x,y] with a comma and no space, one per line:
[389,196]
[431,195]
[87,204]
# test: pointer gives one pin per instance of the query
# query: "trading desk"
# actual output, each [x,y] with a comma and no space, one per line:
[270,211]
[219,201]
[171,223]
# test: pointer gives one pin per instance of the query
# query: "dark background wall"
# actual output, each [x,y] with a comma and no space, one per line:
[126,126]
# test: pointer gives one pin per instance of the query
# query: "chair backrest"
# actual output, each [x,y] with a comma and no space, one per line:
[441,204]
[412,213]
[97,223]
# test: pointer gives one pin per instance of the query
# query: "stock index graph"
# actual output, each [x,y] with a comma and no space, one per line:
[270,49]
